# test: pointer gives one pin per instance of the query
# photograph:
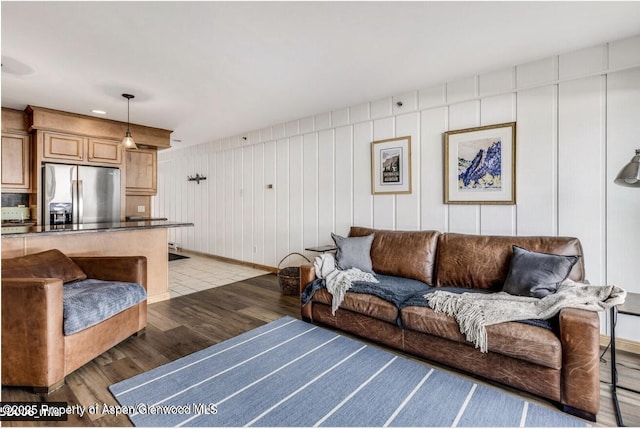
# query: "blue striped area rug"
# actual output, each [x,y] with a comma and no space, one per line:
[291,373]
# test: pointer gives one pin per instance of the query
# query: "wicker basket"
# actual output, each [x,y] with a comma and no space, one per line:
[289,278]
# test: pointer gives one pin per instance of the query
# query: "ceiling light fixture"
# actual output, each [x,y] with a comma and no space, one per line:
[98,112]
[127,141]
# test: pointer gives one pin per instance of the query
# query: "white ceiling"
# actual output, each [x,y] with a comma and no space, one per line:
[209,70]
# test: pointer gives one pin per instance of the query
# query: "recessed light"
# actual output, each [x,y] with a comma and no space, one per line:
[99,112]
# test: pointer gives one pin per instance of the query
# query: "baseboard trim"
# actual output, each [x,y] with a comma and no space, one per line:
[232,261]
[621,344]
[159,297]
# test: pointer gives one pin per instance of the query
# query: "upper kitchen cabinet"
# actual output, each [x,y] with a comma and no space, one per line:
[142,172]
[56,146]
[16,156]
[78,149]
[16,152]
[104,151]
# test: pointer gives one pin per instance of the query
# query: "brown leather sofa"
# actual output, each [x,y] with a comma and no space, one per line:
[562,367]
[35,351]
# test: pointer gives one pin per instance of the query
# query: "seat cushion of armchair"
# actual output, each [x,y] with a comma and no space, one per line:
[523,341]
[90,301]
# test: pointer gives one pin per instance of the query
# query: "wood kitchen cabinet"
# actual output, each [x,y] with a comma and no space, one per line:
[16,162]
[142,172]
[104,151]
[63,146]
[83,150]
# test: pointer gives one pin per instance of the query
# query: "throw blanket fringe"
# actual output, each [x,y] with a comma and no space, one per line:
[338,282]
[474,312]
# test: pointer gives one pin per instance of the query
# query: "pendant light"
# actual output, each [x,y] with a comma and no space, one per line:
[127,141]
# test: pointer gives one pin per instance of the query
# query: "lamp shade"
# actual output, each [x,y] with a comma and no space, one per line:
[128,142]
[630,174]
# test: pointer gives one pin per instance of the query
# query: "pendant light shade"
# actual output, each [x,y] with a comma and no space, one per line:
[127,141]
[630,174]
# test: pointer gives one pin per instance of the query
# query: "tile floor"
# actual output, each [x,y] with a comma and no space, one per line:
[199,272]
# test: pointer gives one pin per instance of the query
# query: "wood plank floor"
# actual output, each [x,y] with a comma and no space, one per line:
[189,323]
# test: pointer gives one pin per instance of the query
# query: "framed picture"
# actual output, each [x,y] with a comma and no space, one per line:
[480,165]
[391,166]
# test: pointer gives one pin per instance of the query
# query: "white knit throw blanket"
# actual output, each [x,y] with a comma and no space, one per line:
[338,282]
[475,311]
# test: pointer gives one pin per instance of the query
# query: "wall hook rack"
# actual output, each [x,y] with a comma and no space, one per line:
[197,178]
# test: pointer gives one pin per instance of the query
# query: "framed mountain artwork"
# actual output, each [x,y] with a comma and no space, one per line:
[391,166]
[480,165]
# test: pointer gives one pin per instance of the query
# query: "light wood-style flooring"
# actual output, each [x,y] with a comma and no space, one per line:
[189,323]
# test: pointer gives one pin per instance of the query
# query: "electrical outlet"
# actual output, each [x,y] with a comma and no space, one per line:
[141,209]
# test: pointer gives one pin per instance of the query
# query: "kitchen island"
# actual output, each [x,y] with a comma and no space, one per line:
[133,238]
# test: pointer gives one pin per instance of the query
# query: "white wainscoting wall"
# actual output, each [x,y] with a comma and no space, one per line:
[280,189]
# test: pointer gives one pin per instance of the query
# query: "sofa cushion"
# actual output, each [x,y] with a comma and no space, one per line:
[395,290]
[362,303]
[479,261]
[353,252]
[90,301]
[530,343]
[379,300]
[537,274]
[410,254]
[48,264]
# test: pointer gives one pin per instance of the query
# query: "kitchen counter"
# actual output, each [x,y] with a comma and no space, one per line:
[148,238]
[17,230]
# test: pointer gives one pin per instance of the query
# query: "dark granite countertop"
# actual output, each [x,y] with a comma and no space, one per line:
[22,231]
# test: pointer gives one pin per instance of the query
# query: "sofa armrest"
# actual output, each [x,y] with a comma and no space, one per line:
[32,335]
[580,338]
[131,269]
[307,275]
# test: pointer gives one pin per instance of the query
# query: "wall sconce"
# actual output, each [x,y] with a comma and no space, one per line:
[630,173]
[197,178]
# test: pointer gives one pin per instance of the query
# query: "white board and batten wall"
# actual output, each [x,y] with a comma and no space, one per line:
[289,186]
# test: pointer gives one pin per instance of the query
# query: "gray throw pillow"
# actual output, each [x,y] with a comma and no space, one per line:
[354,252]
[537,274]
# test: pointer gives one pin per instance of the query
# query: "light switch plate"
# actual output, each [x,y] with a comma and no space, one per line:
[141,209]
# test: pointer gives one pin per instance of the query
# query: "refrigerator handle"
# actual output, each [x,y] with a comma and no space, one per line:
[80,202]
[74,198]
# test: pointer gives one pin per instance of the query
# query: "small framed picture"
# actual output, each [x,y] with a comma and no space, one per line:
[391,166]
[480,165]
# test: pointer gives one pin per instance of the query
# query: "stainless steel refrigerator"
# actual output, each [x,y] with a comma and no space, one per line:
[76,194]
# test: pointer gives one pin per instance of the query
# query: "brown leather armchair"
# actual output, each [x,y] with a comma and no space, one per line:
[35,351]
